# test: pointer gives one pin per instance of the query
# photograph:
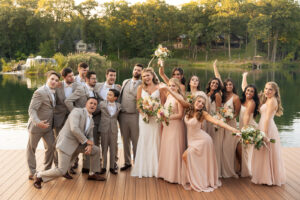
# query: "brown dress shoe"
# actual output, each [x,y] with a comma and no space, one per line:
[37,182]
[68,176]
[30,177]
[96,177]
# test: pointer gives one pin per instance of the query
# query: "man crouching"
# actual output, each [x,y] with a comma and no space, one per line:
[75,137]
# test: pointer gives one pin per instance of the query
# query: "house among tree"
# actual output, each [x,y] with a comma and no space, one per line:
[82,47]
[179,42]
[235,41]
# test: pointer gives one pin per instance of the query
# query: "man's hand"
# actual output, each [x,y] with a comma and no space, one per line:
[90,142]
[88,149]
[43,124]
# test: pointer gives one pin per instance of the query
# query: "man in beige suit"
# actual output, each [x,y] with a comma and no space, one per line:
[40,122]
[129,116]
[75,137]
[82,69]
[66,88]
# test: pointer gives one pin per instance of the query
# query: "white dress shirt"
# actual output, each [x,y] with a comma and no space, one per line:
[112,108]
[91,90]
[52,92]
[104,90]
[133,83]
[87,124]
[79,80]
[67,89]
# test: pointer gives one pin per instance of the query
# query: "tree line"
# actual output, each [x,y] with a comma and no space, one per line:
[119,29]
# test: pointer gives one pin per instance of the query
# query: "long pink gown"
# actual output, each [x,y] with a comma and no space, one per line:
[217,135]
[229,147]
[267,163]
[200,173]
[172,146]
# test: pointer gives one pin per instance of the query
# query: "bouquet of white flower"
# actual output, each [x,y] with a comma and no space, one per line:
[161,52]
[226,112]
[149,107]
[163,114]
[251,135]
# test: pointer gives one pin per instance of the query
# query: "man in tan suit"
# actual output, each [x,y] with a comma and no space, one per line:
[75,137]
[40,122]
[82,69]
[129,117]
[66,88]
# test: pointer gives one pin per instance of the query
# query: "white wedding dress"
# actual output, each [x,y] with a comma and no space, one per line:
[146,159]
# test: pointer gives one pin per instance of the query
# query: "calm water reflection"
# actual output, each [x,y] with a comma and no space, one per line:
[16,92]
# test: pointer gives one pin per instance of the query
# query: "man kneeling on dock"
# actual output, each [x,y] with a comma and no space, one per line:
[75,137]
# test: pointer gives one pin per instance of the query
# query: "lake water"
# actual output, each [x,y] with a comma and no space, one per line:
[16,92]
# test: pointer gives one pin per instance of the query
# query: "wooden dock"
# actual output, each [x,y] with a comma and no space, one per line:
[14,184]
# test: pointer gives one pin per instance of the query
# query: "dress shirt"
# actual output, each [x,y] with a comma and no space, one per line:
[91,90]
[133,83]
[67,89]
[112,108]
[52,92]
[104,90]
[79,80]
[87,124]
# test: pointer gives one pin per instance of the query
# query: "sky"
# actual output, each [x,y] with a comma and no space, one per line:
[171,2]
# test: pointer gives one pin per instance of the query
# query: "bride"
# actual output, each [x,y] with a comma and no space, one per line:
[146,160]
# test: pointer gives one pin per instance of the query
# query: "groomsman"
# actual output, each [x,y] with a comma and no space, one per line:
[61,111]
[82,68]
[78,99]
[40,122]
[102,90]
[129,116]
[75,137]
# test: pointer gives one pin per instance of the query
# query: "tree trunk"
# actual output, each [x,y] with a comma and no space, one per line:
[118,53]
[246,43]
[206,55]
[255,46]
[229,50]
[269,46]
[274,50]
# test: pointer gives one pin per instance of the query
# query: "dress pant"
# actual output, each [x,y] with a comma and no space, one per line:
[49,144]
[109,140]
[129,125]
[65,161]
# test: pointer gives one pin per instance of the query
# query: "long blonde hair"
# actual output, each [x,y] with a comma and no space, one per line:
[191,109]
[177,83]
[263,98]
[151,71]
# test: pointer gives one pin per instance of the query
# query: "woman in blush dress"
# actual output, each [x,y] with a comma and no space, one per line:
[213,91]
[177,73]
[199,168]
[267,163]
[230,99]
[248,112]
[172,143]
[146,160]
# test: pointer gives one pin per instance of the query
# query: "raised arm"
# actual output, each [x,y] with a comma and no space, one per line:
[79,91]
[217,122]
[248,112]
[177,96]
[216,72]
[244,81]
[161,71]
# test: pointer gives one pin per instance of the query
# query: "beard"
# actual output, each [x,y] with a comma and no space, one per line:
[137,76]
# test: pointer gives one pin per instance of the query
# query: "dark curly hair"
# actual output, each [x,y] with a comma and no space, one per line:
[188,83]
[224,93]
[255,98]
[191,109]
[219,89]
[182,81]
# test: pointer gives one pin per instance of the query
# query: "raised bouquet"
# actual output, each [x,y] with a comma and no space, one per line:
[190,98]
[252,135]
[226,112]
[151,107]
[163,114]
[161,52]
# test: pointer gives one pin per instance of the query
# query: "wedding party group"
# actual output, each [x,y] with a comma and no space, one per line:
[170,130]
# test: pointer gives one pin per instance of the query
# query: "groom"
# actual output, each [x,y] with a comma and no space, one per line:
[75,137]
[129,117]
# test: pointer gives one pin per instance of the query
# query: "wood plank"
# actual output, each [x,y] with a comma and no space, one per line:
[140,188]
[129,186]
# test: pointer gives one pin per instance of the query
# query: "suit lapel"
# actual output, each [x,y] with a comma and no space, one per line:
[63,90]
[49,95]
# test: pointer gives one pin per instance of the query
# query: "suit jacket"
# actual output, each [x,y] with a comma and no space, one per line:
[132,93]
[41,108]
[99,86]
[73,132]
[108,121]
[78,98]
[61,111]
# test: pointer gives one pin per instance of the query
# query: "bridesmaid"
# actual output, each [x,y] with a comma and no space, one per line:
[249,110]
[173,139]
[267,165]
[177,72]
[199,168]
[213,91]
[229,145]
